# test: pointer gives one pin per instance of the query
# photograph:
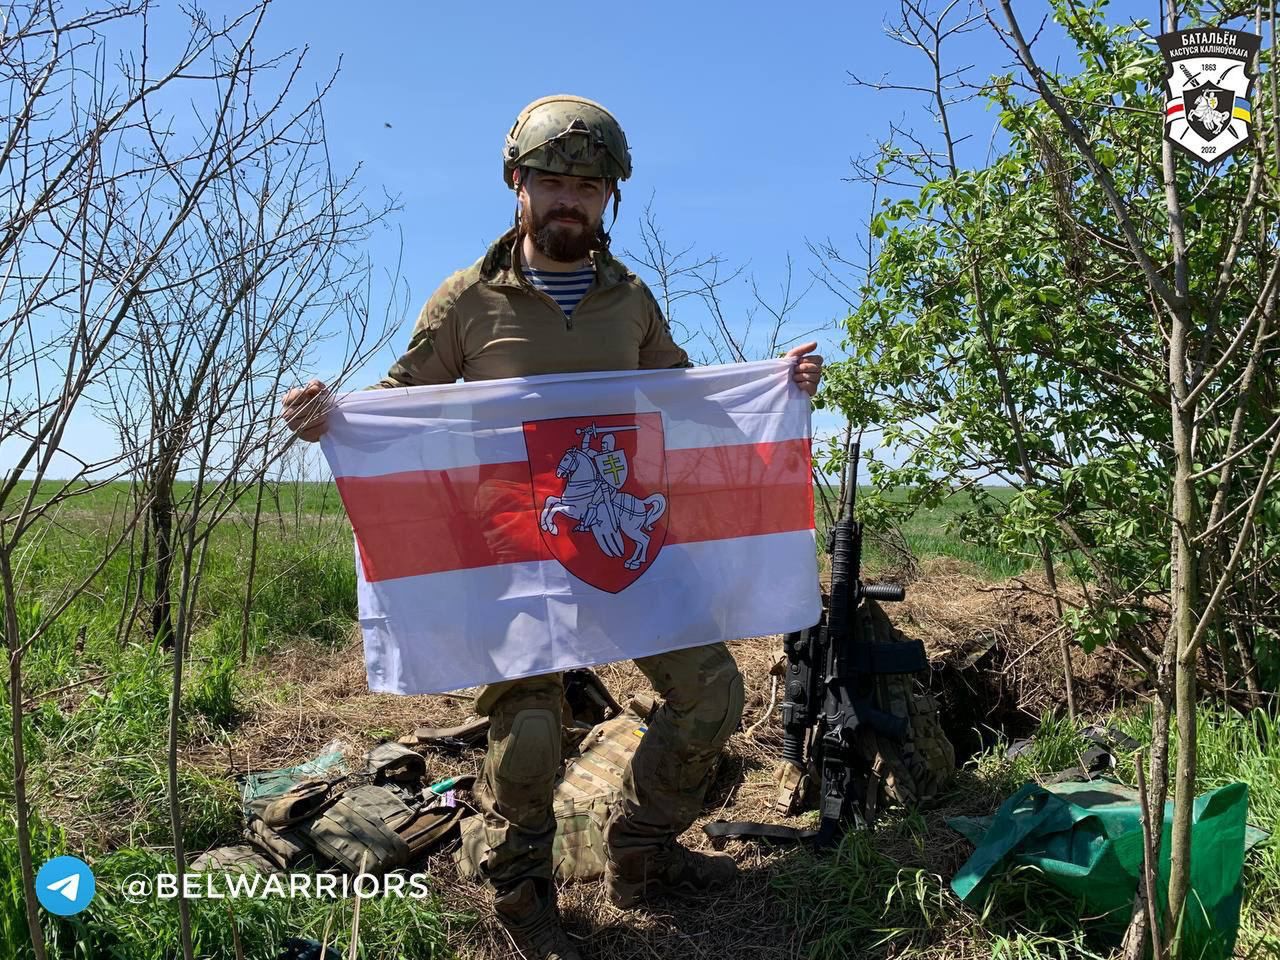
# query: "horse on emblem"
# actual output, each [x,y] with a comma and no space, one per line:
[598,506]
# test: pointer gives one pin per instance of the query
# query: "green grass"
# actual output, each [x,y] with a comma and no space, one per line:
[113,927]
[929,535]
[97,761]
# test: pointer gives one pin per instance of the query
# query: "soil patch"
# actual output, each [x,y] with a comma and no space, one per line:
[995,655]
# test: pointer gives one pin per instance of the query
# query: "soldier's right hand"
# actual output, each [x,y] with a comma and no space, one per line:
[306,410]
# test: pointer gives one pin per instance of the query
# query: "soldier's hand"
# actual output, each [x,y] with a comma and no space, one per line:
[306,410]
[809,368]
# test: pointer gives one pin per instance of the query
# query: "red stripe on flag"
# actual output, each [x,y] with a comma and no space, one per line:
[431,521]
[739,491]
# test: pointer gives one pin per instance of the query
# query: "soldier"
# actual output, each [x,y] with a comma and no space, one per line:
[548,297]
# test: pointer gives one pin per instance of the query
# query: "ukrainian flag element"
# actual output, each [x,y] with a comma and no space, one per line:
[1242,110]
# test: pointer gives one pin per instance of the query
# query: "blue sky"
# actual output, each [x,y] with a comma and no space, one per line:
[741,120]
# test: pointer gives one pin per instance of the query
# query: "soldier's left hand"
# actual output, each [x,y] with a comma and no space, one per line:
[808,369]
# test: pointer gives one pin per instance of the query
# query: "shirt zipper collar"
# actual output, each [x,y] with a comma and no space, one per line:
[517,270]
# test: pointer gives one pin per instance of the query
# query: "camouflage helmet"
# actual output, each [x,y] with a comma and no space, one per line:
[569,135]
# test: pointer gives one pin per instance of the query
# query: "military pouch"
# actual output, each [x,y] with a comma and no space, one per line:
[298,803]
[578,850]
[286,847]
[393,761]
[425,828]
[354,833]
[272,822]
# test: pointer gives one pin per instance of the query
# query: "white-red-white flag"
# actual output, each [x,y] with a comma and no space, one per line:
[508,528]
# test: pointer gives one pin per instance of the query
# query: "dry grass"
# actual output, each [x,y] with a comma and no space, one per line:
[307,697]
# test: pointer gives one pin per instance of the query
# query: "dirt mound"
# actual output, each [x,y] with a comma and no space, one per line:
[995,654]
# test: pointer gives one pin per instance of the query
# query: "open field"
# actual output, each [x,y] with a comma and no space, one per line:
[95,714]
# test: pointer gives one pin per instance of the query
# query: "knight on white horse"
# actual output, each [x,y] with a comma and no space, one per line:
[593,496]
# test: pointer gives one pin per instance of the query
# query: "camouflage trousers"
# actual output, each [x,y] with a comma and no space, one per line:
[663,789]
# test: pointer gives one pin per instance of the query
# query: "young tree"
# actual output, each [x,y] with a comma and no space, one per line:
[177,251]
[1215,313]
[71,285]
[1091,320]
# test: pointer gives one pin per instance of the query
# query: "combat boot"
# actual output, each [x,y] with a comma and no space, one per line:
[528,912]
[635,874]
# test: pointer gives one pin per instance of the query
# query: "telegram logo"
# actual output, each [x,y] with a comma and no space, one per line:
[65,885]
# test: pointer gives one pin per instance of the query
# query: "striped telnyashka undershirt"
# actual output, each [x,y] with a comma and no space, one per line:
[566,289]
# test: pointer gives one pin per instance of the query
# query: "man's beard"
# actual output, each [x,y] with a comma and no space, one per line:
[559,242]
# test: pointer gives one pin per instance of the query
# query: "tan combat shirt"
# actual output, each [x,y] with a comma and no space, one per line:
[487,322]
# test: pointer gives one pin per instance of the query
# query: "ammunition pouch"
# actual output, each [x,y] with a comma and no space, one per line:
[355,831]
[286,848]
[300,802]
[395,762]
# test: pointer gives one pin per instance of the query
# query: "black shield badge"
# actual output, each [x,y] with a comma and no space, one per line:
[1209,74]
[1208,110]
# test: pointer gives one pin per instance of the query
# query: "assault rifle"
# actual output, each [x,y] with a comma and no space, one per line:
[828,710]
[837,734]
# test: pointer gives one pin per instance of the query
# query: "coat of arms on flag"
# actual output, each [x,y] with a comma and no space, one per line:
[600,489]
[1209,79]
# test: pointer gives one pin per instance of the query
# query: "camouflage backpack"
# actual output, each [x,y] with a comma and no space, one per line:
[907,767]
[904,770]
[919,765]
[584,795]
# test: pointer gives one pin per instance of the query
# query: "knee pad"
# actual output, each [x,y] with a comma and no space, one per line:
[531,749]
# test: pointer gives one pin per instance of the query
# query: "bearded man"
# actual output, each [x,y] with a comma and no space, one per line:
[548,297]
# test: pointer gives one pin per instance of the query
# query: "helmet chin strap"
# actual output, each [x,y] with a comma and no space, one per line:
[603,233]
[516,178]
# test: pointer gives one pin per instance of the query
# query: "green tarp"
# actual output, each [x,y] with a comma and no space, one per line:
[1087,840]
